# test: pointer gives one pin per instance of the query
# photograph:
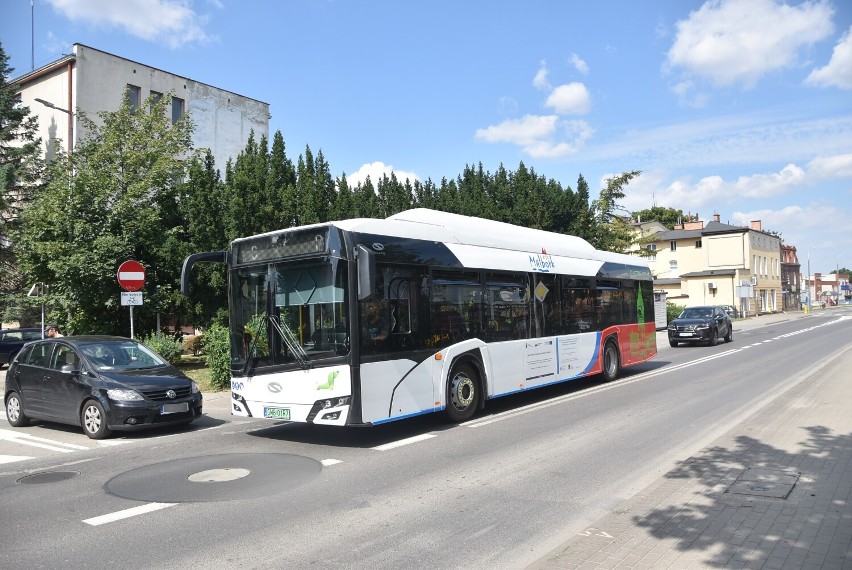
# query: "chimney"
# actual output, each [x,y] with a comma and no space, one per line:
[756,225]
[715,217]
[696,225]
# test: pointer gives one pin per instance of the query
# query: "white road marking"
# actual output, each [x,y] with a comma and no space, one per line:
[13,458]
[127,513]
[329,462]
[401,442]
[31,440]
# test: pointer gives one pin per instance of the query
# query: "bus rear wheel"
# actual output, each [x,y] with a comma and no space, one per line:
[611,362]
[462,393]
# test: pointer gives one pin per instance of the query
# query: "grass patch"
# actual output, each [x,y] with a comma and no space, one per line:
[195,368]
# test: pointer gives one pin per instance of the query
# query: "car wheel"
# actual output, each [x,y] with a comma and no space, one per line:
[730,336]
[673,343]
[93,420]
[714,337]
[462,393]
[15,411]
[611,362]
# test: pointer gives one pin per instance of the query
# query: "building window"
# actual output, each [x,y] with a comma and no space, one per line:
[652,251]
[133,94]
[156,97]
[177,109]
[673,268]
[698,244]
[673,245]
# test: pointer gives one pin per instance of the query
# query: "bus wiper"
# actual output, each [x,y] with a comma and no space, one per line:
[290,340]
[250,356]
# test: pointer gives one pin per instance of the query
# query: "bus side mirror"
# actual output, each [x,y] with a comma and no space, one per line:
[366,260]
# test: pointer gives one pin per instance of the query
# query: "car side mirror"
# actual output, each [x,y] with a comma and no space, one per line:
[69,369]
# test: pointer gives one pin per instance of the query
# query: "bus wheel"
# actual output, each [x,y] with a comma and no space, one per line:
[610,361]
[462,393]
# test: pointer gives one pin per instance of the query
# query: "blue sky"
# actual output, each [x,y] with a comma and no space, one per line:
[736,107]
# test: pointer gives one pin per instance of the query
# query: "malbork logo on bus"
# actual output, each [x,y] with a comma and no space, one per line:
[131,276]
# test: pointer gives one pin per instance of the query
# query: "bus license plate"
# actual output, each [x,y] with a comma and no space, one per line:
[174,408]
[277,413]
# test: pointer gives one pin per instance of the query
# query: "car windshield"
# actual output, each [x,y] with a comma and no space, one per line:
[123,354]
[697,313]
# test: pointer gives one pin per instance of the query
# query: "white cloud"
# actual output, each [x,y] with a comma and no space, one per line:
[171,21]
[540,80]
[539,136]
[570,99]
[827,167]
[810,217]
[579,64]
[838,72]
[766,185]
[376,171]
[740,41]
[524,131]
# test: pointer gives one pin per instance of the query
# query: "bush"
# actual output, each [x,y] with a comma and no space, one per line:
[164,345]
[217,354]
[672,311]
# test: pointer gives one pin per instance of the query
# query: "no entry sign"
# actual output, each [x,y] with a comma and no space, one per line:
[131,276]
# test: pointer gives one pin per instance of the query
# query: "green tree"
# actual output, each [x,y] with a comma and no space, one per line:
[21,169]
[104,204]
[613,232]
[669,217]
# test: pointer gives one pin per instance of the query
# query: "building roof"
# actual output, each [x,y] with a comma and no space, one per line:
[710,273]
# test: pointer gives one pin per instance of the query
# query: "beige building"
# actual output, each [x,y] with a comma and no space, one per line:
[715,264]
[89,81]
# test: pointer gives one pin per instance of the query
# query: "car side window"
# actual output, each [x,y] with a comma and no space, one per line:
[38,355]
[64,355]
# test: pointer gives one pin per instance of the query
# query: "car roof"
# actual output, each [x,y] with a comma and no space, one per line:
[88,338]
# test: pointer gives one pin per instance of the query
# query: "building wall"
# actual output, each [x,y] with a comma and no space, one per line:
[223,120]
[753,255]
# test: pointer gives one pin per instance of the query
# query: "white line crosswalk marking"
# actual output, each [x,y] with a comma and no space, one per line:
[34,441]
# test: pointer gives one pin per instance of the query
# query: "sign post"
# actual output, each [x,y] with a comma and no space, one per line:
[131,277]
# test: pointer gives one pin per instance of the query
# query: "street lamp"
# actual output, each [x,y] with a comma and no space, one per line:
[50,105]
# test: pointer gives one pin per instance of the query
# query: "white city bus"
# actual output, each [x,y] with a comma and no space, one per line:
[366,321]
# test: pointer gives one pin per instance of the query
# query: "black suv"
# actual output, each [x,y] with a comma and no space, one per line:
[701,324]
[11,341]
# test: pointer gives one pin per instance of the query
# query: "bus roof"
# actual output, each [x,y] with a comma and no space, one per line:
[423,223]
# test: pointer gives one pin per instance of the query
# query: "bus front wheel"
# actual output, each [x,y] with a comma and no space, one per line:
[462,393]
[611,364]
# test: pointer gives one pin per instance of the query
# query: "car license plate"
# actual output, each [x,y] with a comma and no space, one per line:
[277,413]
[686,334]
[174,408]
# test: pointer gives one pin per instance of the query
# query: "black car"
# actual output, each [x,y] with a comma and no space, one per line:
[701,324]
[102,383]
[11,341]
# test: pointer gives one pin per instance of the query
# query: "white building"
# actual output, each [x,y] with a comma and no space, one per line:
[91,81]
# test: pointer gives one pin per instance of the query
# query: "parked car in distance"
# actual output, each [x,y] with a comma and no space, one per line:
[101,383]
[731,311]
[11,341]
[701,324]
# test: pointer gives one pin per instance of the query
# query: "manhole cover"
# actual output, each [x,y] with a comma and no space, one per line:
[226,477]
[762,482]
[48,477]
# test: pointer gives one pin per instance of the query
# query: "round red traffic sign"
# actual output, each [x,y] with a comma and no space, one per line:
[131,276]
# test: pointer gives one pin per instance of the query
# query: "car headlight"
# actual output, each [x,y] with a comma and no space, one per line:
[672,327]
[122,395]
[194,389]
[702,326]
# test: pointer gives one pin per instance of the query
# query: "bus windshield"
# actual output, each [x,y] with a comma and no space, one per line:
[288,313]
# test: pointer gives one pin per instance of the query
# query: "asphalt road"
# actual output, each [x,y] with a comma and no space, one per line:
[499,491]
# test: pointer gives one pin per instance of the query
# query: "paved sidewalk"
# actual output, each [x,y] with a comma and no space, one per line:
[774,492]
